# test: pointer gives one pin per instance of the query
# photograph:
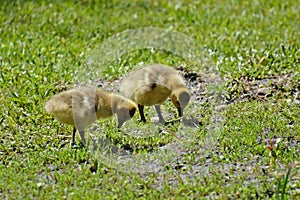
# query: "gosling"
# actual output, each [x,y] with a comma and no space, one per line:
[82,106]
[152,85]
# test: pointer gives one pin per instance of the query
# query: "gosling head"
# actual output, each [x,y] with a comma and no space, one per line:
[180,98]
[124,108]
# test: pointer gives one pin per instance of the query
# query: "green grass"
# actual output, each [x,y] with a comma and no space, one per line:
[44,46]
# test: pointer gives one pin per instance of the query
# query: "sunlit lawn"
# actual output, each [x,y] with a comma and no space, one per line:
[253,46]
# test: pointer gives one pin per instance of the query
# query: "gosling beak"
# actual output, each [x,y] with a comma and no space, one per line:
[120,123]
[180,112]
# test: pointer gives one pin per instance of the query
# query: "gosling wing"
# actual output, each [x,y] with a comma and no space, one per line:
[151,94]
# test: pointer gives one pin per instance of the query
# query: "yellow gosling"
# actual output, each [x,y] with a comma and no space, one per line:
[82,106]
[152,85]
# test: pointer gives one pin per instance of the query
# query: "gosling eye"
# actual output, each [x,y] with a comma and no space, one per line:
[175,101]
[177,104]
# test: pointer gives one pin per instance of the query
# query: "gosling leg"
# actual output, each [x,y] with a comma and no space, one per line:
[141,110]
[161,118]
[81,133]
[73,137]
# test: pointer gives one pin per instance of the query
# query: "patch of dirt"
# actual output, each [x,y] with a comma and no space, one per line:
[278,88]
